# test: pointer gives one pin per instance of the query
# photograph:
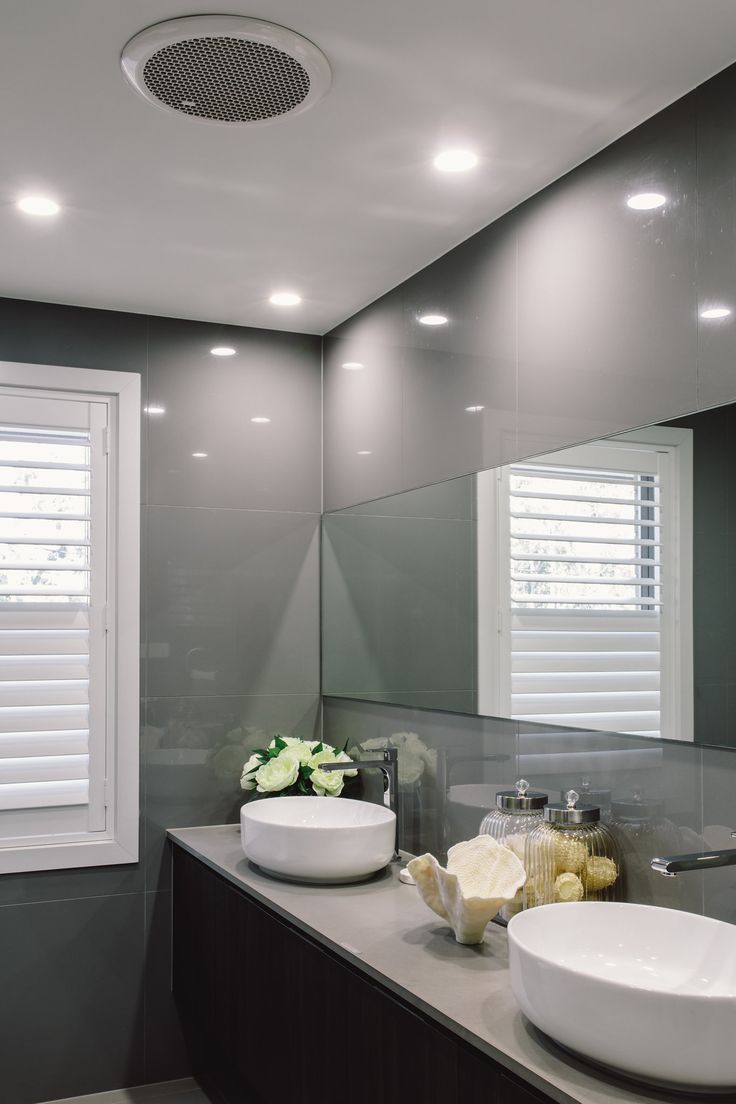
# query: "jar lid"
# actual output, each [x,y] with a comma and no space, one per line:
[522,799]
[593,796]
[569,812]
[637,807]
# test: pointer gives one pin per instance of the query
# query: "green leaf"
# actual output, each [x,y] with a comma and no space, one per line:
[307,771]
[279,743]
[319,747]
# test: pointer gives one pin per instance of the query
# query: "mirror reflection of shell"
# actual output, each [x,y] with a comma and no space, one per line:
[481,876]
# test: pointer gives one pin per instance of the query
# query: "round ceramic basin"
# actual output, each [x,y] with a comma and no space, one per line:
[318,839]
[648,992]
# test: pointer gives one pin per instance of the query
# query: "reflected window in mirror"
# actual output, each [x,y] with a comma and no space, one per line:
[585,586]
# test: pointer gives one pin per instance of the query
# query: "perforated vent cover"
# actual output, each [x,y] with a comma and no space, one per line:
[226,69]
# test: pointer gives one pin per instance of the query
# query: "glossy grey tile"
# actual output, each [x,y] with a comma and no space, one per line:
[719,820]
[232,601]
[193,750]
[398,610]
[209,405]
[716,239]
[49,333]
[164,1050]
[607,294]
[363,407]
[459,379]
[450,765]
[65,954]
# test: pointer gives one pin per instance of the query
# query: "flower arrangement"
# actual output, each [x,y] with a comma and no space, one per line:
[290,767]
[414,756]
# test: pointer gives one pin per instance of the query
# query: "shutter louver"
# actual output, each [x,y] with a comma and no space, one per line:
[586,591]
[45,601]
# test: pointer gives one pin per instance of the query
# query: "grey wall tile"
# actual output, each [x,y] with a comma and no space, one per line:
[232,598]
[607,295]
[165,1055]
[363,407]
[716,238]
[209,402]
[398,612]
[470,362]
[193,754]
[452,498]
[719,820]
[448,780]
[72,1022]
[48,333]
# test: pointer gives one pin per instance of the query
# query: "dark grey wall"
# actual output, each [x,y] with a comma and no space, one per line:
[570,318]
[398,598]
[230,653]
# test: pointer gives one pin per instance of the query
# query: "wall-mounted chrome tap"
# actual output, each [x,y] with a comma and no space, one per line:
[673,865]
[389,764]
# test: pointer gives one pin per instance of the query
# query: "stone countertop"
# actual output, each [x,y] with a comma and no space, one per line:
[383,928]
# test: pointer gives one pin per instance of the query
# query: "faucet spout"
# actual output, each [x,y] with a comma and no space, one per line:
[389,764]
[673,865]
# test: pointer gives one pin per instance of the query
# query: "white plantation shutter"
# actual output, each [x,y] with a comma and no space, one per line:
[593,581]
[53,596]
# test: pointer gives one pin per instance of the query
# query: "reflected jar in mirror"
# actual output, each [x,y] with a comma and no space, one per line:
[571,856]
[516,813]
[643,831]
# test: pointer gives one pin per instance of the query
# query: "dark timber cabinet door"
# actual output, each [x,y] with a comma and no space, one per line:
[272,1017]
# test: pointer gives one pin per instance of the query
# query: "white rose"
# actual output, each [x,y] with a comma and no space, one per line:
[247,780]
[341,757]
[374,745]
[411,768]
[327,783]
[299,750]
[277,774]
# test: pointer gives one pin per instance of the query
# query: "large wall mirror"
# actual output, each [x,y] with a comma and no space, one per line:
[590,588]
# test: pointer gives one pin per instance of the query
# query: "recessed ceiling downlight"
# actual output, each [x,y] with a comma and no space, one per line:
[41,206]
[226,69]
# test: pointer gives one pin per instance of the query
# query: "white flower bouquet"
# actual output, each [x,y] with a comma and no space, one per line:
[291,767]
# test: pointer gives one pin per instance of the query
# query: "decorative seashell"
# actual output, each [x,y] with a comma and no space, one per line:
[481,876]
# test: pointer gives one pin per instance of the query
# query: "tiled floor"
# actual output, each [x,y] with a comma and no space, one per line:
[167,1092]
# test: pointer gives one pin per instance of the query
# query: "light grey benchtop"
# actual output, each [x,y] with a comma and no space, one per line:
[385,930]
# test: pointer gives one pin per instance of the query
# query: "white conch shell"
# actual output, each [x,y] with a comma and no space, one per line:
[481,876]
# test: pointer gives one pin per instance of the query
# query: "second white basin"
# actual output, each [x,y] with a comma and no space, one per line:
[649,992]
[318,839]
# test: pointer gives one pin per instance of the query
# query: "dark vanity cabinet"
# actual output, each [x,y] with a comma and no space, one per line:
[273,1017]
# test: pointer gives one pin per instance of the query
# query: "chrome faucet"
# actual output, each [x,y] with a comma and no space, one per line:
[389,764]
[673,865]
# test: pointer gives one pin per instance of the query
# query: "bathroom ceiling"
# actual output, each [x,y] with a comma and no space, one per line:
[165,215]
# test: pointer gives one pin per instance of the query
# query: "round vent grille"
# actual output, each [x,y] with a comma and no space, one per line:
[226,69]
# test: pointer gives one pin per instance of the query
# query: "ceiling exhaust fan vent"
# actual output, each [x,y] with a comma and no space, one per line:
[226,69]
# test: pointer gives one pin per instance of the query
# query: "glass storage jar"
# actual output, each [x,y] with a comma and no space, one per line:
[571,856]
[644,832]
[516,813]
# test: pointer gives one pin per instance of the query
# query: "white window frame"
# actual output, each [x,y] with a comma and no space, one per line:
[676,627]
[121,392]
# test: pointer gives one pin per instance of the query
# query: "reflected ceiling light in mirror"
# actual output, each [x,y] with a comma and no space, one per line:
[474,409]
[285,299]
[200,455]
[715,312]
[364,452]
[38,205]
[154,409]
[222,350]
[432,319]
[353,365]
[455,161]
[646,201]
[260,419]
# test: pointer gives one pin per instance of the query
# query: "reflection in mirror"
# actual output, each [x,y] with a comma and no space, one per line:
[586,588]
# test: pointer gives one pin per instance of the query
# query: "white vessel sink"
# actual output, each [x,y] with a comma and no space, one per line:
[318,839]
[648,992]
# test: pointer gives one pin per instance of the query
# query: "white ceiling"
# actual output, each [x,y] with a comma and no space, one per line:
[169,216]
